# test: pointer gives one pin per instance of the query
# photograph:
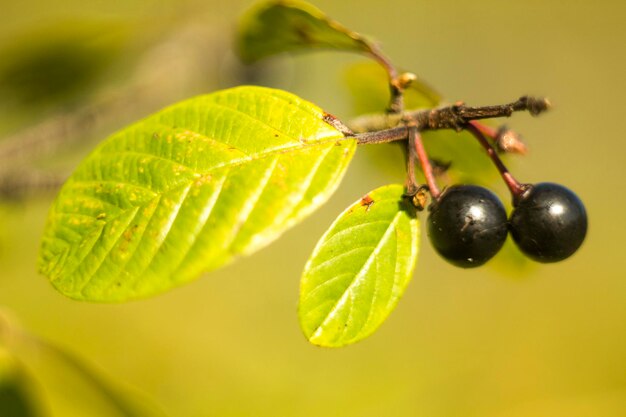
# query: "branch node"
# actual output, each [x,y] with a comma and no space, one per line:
[536,105]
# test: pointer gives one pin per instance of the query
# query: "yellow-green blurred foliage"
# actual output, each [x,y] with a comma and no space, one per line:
[491,342]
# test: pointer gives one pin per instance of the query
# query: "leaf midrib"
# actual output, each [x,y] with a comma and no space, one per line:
[189,182]
[341,301]
[199,176]
[239,161]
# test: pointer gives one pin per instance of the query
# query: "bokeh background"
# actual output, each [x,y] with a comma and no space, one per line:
[506,340]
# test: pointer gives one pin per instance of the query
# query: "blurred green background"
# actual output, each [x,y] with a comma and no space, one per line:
[546,340]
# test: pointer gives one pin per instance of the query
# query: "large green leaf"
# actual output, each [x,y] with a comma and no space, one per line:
[189,188]
[284,26]
[359,269]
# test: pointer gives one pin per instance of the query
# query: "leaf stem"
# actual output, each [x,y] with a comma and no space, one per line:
[397,82]
[382,136]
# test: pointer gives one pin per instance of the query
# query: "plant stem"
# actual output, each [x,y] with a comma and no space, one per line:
[515,187]
[486,130]
[455,117]
[382,136]
[19,183]
[411,185]
[422,156]
[396,101]
[505,140]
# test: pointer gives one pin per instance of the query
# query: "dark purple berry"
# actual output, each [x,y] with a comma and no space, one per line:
[549,222]
[467,225]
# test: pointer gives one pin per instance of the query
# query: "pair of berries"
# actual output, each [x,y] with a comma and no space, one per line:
[468,225]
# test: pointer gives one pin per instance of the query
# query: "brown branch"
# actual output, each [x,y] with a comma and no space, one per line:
[44,138]
[454,117]
[458,115]
[20,183]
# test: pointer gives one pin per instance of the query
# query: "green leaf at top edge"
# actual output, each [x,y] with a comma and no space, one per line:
[188,189]
[359,269]
[274,27]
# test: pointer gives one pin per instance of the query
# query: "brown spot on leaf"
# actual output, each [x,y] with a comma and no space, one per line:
[367,202]
[304,33]
[128,233]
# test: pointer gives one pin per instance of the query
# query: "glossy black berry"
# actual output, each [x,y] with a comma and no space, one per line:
[467,225]
[549,222]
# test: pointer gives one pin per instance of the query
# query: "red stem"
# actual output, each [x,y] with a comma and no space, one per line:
[486,130]
[514,186]
[422,156]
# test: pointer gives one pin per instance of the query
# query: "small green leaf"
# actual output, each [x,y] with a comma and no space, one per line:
[359,269]
[189,188]
[285,26]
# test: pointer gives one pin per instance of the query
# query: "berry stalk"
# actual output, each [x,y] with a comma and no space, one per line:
[416,144]
[505,139]
[516,188]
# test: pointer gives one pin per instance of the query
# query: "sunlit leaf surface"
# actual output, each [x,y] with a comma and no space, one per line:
[283,26]
[187,189]
[359,269]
